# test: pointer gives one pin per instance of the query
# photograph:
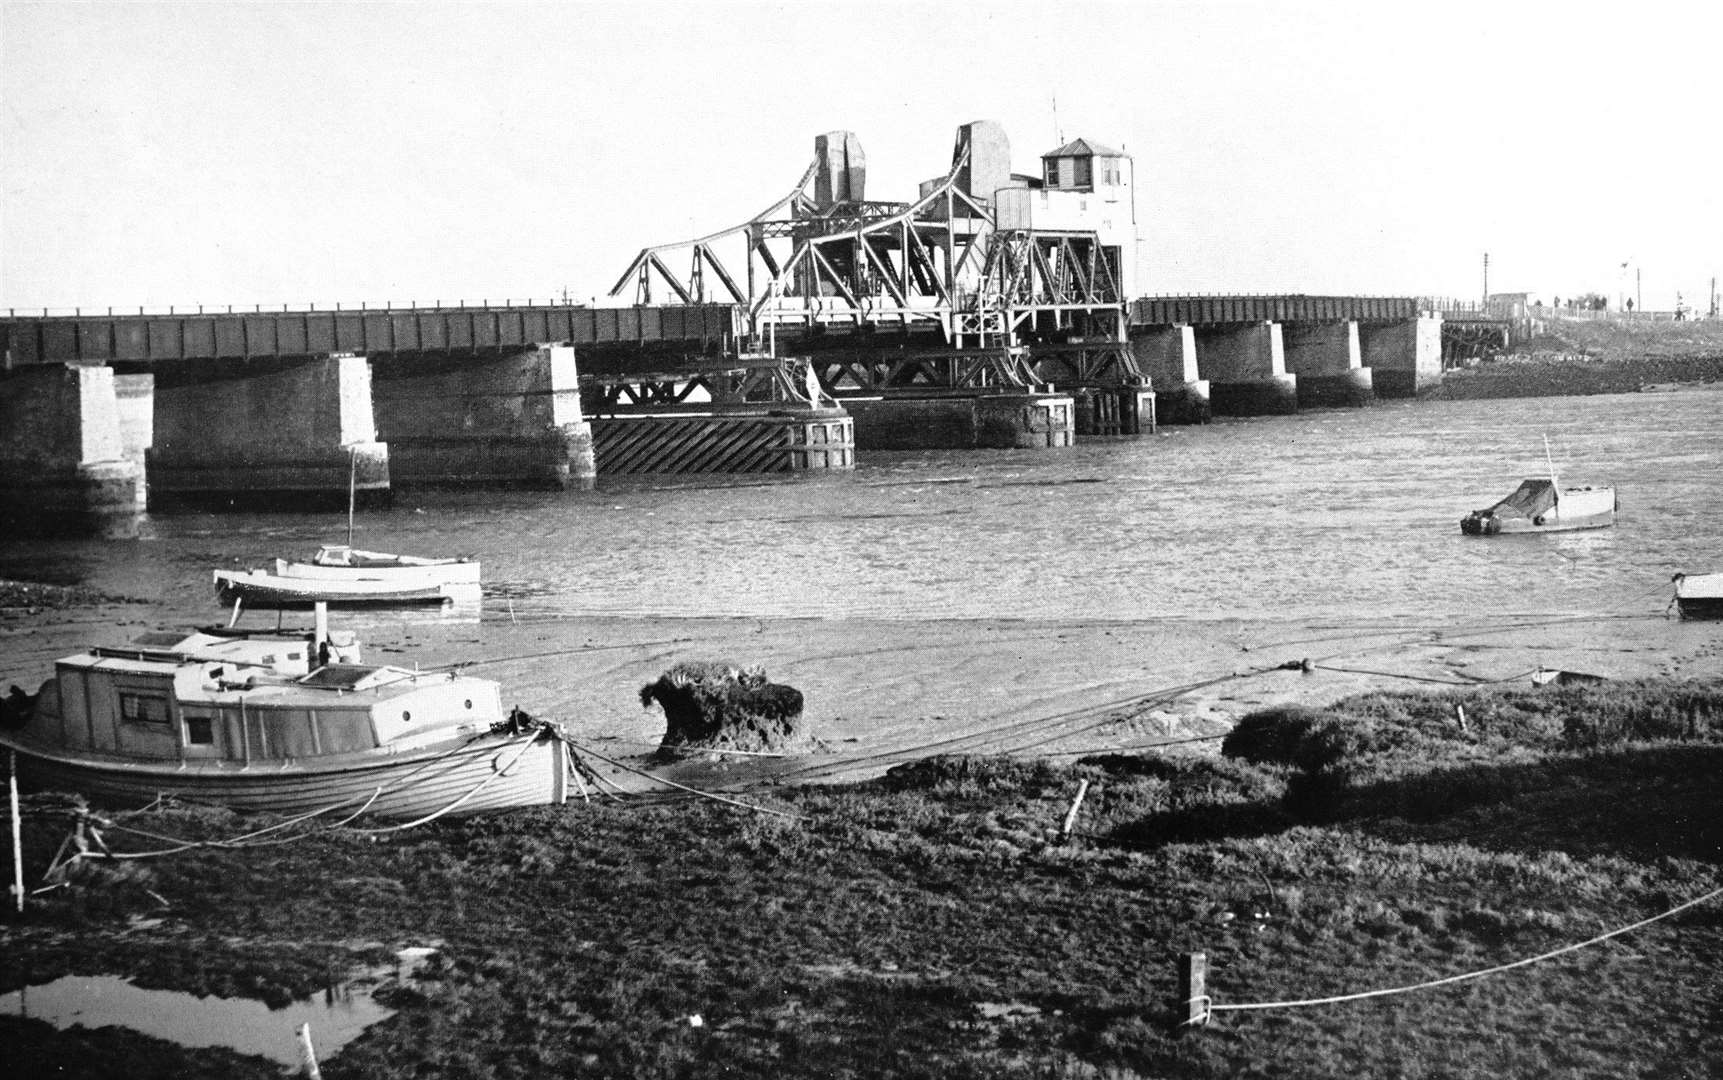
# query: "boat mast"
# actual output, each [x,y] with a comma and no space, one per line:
[1554,483]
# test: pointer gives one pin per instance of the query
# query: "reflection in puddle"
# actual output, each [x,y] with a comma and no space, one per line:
[336,1016]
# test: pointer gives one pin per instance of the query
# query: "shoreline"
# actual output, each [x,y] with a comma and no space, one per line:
[885,691]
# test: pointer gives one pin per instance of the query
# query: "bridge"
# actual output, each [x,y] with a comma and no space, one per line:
[991,310]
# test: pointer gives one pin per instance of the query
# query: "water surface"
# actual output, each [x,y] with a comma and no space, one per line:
[1329,513]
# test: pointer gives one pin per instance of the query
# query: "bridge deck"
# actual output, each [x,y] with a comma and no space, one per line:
[1203,310]
[238,336]
[144,339]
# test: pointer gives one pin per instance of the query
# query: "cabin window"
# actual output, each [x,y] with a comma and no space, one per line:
[287,733]
[340,732]
[1084,175]
[144,709]
[199,731]
[1053,173]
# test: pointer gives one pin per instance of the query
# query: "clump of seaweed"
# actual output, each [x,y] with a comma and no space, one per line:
[720,706]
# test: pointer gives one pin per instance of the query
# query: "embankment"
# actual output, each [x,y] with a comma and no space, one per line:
[1535,376]
[1606,356]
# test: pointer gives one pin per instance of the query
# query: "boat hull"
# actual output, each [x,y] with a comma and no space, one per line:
[1576,508]
[258,588]
[485,774]
[1699,596]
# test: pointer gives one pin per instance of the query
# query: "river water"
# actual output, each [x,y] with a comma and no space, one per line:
[1326,514]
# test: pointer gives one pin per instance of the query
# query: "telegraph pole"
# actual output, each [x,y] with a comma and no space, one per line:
[1486,277]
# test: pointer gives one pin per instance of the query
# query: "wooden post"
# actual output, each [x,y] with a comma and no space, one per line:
[1071,815]
[1191,1008]
[307,1058]
[352,487]
[17,833]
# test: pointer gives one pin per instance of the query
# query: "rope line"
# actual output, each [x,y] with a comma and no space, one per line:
[250,839]
[684,787]
[1449,980]
[1425,678]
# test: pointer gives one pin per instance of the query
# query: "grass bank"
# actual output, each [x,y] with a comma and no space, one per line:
[932,923]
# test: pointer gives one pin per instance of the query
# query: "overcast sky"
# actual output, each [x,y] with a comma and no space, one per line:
[276,153]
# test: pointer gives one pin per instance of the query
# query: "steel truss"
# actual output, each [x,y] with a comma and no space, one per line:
[940,264]
[748,382]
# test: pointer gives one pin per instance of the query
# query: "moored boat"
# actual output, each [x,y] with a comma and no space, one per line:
[265,588]
[1699,596]
[1543,505]
[1538,505]
[258,721]
[342,562]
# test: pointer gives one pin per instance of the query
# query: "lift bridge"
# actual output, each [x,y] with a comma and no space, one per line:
[986,283]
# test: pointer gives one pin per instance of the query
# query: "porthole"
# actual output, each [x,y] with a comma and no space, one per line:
[469,703]
[406,717]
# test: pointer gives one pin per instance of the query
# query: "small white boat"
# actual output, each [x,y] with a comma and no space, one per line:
[1699,596]
[1543,505]
[258,721]
[1539,506]
[341,562]
[265,588]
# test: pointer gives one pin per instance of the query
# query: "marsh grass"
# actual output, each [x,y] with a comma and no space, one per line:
[931,923]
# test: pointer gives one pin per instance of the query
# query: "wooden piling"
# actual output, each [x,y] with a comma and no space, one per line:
[307,1057]
[1191,1009]
[1071,814]
[17,832]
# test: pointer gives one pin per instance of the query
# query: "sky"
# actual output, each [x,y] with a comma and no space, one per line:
[294,153]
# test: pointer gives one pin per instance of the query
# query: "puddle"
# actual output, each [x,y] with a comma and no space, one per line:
[337,1016]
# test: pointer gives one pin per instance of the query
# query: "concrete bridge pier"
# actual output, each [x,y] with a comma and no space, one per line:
[1168,356]
[268,433]
[1404,357]
[64,468]
[1245,364]
[512,421]
[1327,360]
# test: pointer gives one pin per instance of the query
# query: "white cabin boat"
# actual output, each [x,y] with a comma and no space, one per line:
[259,721]
[1538,505]
[1699,596]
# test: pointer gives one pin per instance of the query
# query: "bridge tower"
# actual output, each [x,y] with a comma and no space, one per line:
[989,285]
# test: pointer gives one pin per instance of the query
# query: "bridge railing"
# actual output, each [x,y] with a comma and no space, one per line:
[1268,307]
[386,306]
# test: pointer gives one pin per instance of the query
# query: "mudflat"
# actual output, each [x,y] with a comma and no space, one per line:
[880,692]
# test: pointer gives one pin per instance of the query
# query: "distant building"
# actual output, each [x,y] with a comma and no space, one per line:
[1514,305]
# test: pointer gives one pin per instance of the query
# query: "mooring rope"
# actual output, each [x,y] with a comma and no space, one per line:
[684,787]
[1209,1007]
[527,743]
[249,839]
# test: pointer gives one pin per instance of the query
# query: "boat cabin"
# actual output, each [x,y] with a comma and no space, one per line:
[246,699]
